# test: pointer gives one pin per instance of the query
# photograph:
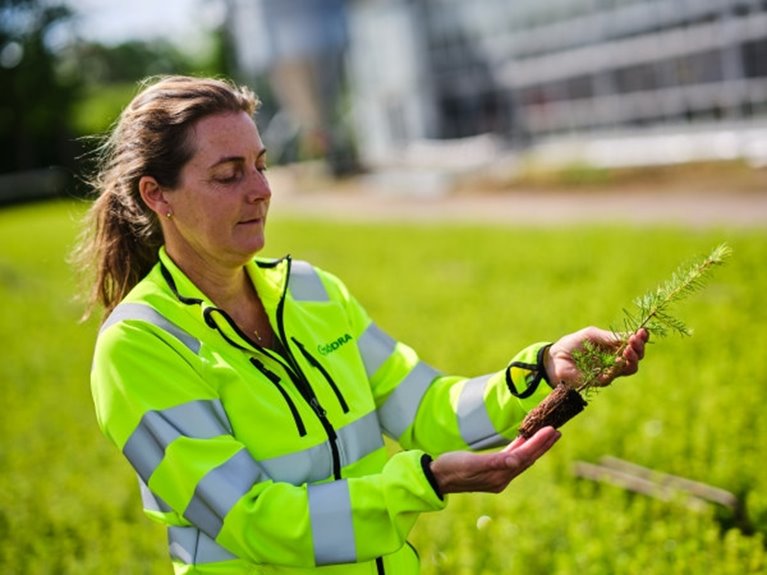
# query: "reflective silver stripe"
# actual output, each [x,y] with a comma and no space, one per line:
[330,511]
[360,438]
[355,441]
[305,466]
[191,546]
[220,489]
[375,347]
[305,283]
[473,421]
[143,312]
[150,501]
[399,410]
[200,419]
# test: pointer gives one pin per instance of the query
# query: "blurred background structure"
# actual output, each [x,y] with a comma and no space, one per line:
[300,46]
[436,85]
[527,72]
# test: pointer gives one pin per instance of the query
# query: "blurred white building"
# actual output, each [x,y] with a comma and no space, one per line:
[300,46]
[530,70]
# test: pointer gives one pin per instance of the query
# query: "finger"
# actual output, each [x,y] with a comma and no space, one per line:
[518,462]
[637,343]
[519,440]
[544,439]
[630,361]
[536,437]
[526,454]
[606,339]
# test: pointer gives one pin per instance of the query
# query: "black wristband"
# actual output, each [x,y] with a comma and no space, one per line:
[541,365]
[426,460]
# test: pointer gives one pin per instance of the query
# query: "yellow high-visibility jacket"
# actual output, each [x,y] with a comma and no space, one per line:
[264,462]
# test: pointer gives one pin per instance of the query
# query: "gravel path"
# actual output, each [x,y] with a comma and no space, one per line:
[671,207]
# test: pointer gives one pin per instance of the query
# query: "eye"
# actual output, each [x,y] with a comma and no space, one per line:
[228,177]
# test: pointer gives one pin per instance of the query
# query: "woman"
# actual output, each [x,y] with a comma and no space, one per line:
[251,395]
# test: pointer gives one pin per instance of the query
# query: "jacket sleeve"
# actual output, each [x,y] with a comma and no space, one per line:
[152,402]
[422,408]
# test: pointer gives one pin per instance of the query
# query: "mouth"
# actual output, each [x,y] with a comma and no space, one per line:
[252,221]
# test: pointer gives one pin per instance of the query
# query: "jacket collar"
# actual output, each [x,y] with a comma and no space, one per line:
[269,276]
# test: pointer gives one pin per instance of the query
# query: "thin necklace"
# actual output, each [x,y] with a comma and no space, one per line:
[261,341]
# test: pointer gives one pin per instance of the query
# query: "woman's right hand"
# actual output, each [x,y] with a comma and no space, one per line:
[560,365]
[464,471]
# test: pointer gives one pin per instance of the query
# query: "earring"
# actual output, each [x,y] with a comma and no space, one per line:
[169,215]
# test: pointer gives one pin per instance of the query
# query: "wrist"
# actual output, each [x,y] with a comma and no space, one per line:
[546,365]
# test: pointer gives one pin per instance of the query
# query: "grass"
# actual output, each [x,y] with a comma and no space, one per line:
[467,298]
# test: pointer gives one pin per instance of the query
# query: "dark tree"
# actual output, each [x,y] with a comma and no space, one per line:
[35,97]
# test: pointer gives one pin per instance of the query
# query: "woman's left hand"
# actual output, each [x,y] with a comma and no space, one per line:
[464,471]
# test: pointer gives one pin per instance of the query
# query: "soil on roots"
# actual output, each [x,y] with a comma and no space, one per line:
[559,407]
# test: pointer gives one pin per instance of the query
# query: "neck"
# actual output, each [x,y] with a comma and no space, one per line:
[231,289]
[224,284]
[226,290]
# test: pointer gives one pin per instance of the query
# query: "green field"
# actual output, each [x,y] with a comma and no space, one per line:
[467,298]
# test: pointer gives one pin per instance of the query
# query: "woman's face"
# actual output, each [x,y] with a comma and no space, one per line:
[219,206]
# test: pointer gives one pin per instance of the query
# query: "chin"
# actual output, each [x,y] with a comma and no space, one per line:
[254,247]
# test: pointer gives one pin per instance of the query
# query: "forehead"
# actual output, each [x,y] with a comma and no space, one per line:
[228,133]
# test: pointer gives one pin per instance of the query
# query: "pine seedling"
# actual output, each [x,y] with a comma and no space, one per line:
[652,311]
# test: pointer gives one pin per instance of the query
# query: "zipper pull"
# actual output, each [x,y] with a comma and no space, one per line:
[314,402]
[332,436]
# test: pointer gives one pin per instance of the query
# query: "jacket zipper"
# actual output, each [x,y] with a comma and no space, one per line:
[302,384]
[316,364]
[306,391]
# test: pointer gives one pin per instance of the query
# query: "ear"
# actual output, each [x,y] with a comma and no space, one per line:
[153,195]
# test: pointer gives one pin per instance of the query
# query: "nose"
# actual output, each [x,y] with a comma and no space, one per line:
[258,186]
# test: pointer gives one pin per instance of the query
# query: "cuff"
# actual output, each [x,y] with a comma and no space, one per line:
[426,460]
[526,371]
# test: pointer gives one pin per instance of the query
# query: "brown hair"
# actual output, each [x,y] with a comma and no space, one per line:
[151,137]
